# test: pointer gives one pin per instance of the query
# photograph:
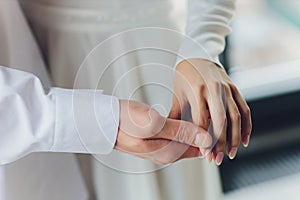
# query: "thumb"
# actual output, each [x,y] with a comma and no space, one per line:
[185,132]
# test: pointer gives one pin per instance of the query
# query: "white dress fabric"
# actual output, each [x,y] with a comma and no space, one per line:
[40,175]
[66,32]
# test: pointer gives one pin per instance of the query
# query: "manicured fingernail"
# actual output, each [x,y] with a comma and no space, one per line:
[197,139]
[246,144]
[219,158]
[207,152]
[232,153]
[209,157]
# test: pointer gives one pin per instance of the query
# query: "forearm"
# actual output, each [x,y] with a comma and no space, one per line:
[60,120]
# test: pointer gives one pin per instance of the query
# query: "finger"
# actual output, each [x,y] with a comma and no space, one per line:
[209,157]
[246,122]
[191,152]
[176,109]
[199,110]
[219,120]
[234,134]
[185,132]
[169,151]
[220,146]
[188,133]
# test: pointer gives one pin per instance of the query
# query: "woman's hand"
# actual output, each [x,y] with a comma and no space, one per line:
[204,91]
[143,132]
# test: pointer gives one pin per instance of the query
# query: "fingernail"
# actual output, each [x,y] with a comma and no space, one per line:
[207,152]
[197,139]
[232,153]
[209,157]
[219,158]
[246,144]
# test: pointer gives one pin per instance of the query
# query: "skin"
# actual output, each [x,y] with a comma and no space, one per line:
[203,91]
[204,95]
[143,132]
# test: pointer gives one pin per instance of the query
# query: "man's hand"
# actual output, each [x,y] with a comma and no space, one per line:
[205,91]
[143,132]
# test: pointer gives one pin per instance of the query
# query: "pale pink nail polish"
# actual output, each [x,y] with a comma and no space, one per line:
[247,141]
[209,157]
[232,153]
[219,158]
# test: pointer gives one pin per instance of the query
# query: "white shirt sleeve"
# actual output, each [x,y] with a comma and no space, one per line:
[57,120]
[206,28]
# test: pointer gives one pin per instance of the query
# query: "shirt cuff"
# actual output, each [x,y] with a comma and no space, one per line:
[87,121]
[191,49]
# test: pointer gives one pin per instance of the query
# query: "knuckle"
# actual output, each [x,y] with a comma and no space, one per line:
[221,120]
[202,88]
[184,134]
[226,90]
[236,117]
[156,121]
[195,87]
[221,142]
[233,88]
[219,87]
[219,126]
[197,90]
[247,110]
[225,85]
[216,86]
[203,122]
[181,135]
[249,128]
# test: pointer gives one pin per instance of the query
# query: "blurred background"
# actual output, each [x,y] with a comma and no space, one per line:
[263,59]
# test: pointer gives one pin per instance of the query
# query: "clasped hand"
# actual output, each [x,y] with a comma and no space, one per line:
[208,116]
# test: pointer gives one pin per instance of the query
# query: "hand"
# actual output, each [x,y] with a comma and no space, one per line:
[143,132]
[204,90]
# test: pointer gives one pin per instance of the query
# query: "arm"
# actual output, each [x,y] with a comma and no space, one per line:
[206,28]
[33,120]
[202,87]
[86,121]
